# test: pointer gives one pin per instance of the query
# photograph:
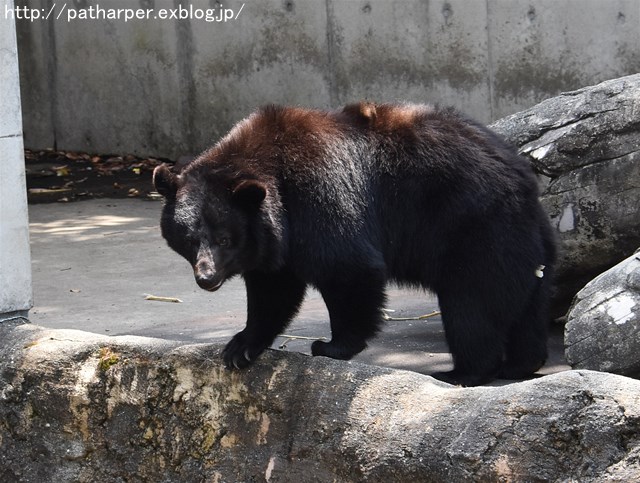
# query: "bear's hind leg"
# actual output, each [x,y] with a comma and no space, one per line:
[526,348]
[355,310]
[474,339]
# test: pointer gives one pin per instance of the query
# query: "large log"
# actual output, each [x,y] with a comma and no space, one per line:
[587,143]
[82,407]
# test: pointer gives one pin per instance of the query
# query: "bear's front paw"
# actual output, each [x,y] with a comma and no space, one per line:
[240,352]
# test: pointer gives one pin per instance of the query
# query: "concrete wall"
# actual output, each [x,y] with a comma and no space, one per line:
[15,264]
[170,87]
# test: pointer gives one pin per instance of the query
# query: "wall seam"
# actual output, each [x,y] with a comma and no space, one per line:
[186,79]
[52,71]
[331,77]
[491,74]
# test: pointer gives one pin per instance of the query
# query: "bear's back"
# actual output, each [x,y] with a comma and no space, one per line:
[367,160]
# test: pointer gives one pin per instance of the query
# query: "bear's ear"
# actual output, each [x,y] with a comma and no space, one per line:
[362,113]
[165,181]
[249,193]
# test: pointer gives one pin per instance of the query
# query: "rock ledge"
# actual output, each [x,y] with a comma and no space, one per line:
[82,407]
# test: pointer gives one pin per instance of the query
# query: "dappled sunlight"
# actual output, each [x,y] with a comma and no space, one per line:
[85,227]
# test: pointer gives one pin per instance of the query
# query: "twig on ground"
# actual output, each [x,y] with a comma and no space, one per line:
[419,317]
[162,299]
[289,338]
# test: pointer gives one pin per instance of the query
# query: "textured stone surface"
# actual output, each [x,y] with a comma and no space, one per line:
[587,144]
[83,407]
[604,321]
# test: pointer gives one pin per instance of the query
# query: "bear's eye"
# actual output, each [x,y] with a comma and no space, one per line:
[223,242]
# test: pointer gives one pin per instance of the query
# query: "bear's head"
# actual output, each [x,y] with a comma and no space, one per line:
[214,219]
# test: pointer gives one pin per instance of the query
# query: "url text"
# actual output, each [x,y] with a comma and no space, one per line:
[97,12]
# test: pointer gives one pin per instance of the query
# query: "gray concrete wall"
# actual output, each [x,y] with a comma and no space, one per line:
[170,87]
[15,264]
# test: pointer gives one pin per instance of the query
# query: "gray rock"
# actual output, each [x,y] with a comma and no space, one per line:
[604,322]
[82,407]
[586,144]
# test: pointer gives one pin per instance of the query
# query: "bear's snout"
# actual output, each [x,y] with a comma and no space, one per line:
[207,277]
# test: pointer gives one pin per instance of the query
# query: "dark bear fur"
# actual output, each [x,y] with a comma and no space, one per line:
[348,201]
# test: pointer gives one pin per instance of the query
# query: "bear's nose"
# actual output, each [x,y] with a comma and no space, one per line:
[206,277]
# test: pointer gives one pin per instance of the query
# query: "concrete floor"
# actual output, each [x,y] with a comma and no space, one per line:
[94,261]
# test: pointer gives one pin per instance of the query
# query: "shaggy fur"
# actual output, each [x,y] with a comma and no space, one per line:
[348,201]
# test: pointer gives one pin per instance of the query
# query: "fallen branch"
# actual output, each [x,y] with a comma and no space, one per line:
[419,317]
[162,299]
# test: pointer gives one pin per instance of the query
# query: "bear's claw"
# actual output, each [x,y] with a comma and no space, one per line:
[240,352]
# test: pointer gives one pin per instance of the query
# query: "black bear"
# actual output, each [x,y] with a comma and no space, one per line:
[350,200]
